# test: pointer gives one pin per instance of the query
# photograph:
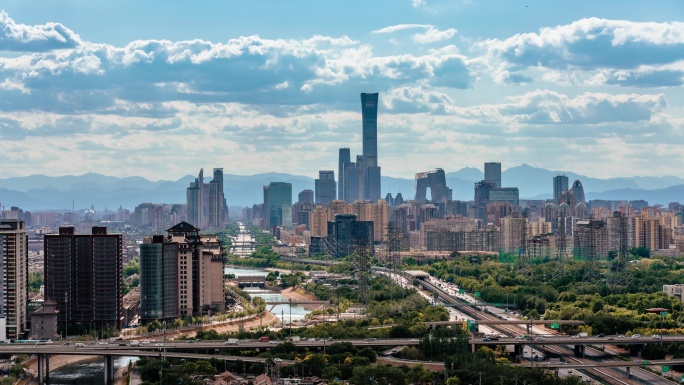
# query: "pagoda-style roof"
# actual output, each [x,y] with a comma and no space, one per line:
[183,227]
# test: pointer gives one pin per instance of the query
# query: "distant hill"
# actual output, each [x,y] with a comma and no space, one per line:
[40,192]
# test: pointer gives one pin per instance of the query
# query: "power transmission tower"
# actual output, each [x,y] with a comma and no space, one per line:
[393,258]
[621,274]
[362,265]
[523,263]
[561,245]
[591,270]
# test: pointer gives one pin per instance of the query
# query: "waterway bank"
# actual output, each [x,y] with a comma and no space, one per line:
[299,294]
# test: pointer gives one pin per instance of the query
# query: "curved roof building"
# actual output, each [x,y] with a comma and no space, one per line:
[578,191]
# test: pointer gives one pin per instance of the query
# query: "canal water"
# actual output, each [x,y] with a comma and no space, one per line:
[89,372]
[281,311]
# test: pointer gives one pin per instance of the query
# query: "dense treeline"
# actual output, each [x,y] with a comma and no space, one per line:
[614,303]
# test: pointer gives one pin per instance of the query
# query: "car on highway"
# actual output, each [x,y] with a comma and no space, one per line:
[103,343]
[486,339]
[540,339]
[80,344]
[656,337]
[159,344]
[636,335]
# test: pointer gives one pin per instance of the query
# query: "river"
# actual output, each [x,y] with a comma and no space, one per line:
[281,311]
[89,372]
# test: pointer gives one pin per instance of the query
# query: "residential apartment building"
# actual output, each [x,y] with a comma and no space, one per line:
[13,279]
[200,270]
[84,276]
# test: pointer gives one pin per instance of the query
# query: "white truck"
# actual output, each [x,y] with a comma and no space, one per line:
[232,341]
[295,339]
[134,343]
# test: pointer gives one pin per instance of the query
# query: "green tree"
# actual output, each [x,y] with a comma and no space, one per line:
[331,373]
[377,375]
[17,370]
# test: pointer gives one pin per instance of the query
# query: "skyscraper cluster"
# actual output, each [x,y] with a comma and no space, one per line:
[360,180]
[206,202]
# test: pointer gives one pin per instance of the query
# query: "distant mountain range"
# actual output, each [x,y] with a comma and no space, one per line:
[39,192]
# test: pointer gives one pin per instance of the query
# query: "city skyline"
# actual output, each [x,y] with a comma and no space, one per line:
[460,84]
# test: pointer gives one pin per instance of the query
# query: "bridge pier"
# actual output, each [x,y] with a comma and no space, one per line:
[580,351]
[518,350]
[629,373]
[47,368]
[41,370]
[108,370]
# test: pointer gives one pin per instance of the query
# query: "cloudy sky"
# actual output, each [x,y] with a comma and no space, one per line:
[160,89]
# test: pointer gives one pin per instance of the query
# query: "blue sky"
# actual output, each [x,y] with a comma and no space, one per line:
[159,90]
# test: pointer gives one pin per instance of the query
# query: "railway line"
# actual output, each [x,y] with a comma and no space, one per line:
[613,376]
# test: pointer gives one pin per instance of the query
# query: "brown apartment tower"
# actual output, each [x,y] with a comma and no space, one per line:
[14,322]
[84,276]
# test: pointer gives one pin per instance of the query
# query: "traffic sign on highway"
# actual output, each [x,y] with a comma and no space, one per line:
[682,377]
[477,293]
[461,291]
[663,314]
[645,362]
[555,326]
[666,368]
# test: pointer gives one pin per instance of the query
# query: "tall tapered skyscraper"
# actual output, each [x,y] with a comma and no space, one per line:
[344,160]
[370,167]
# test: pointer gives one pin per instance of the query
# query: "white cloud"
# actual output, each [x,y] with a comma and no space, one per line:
[401,27]
[433,35]
[36,38]
[13,85]
[587,45]
[418,3]
[429,35]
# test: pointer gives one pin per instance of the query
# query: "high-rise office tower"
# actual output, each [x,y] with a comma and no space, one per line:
[370,168]
[492,173]
[344,161]
[436,181]
[578,191]
[206,201]
[560,184]
[278,202]
[306,196]
[194,197]
[346,235]
[13,279]
[218,210]
[353,182]
[158,279]
[84,276]
[325,187]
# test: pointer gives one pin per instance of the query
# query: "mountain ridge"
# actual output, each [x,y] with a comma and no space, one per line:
[41,192]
